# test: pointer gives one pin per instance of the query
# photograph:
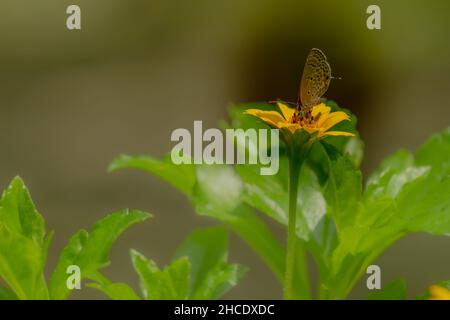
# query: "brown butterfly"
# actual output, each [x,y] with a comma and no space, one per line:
[315,81]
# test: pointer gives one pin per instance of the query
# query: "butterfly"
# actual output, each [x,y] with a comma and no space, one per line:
[315,81]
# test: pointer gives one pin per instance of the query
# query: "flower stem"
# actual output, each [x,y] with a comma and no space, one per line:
[294,170]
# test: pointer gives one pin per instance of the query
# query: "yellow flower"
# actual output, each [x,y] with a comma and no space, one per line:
[318,120]
[439,293]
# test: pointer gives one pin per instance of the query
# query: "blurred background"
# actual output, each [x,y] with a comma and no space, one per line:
[71,101]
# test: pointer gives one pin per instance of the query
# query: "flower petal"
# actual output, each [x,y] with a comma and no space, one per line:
[270,117]
[310,130]
[322,108]
[286,111]
[292,127]
[332,119]
[439,293]
[335,133]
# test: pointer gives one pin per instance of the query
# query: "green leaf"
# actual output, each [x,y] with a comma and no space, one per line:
[269,194]
[180,176]
[211,275]
[215,195]
[22,228]
[20,268]
[343,191]
[434,153]
[381,182]
[396,290]
[374,222]
[410,194]
[199,269]
[217,191]
[167,284]
[116,291]
[266,193]
[404,195]
[90,251]
[427,201]
[18,213]
[354,148]
[250,228]
[6,294]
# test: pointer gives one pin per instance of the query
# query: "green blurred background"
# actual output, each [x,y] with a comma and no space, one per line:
[70,101]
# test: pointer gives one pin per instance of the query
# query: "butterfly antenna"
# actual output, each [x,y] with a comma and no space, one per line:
[337,78]
[286,102]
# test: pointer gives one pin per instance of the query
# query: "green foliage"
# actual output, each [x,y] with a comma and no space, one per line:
[181,177]
[22,228]
[406,194]
[344,224]
[90,251]
[156,284]
[24,244]
[396,290]
[207,197]
[199,270]
[211,276]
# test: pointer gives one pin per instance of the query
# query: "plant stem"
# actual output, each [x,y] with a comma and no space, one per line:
[294,170]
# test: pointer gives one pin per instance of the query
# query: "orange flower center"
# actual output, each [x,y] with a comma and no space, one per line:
[305,118]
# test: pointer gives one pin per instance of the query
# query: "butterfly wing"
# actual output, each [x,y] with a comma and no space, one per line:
[315,79]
